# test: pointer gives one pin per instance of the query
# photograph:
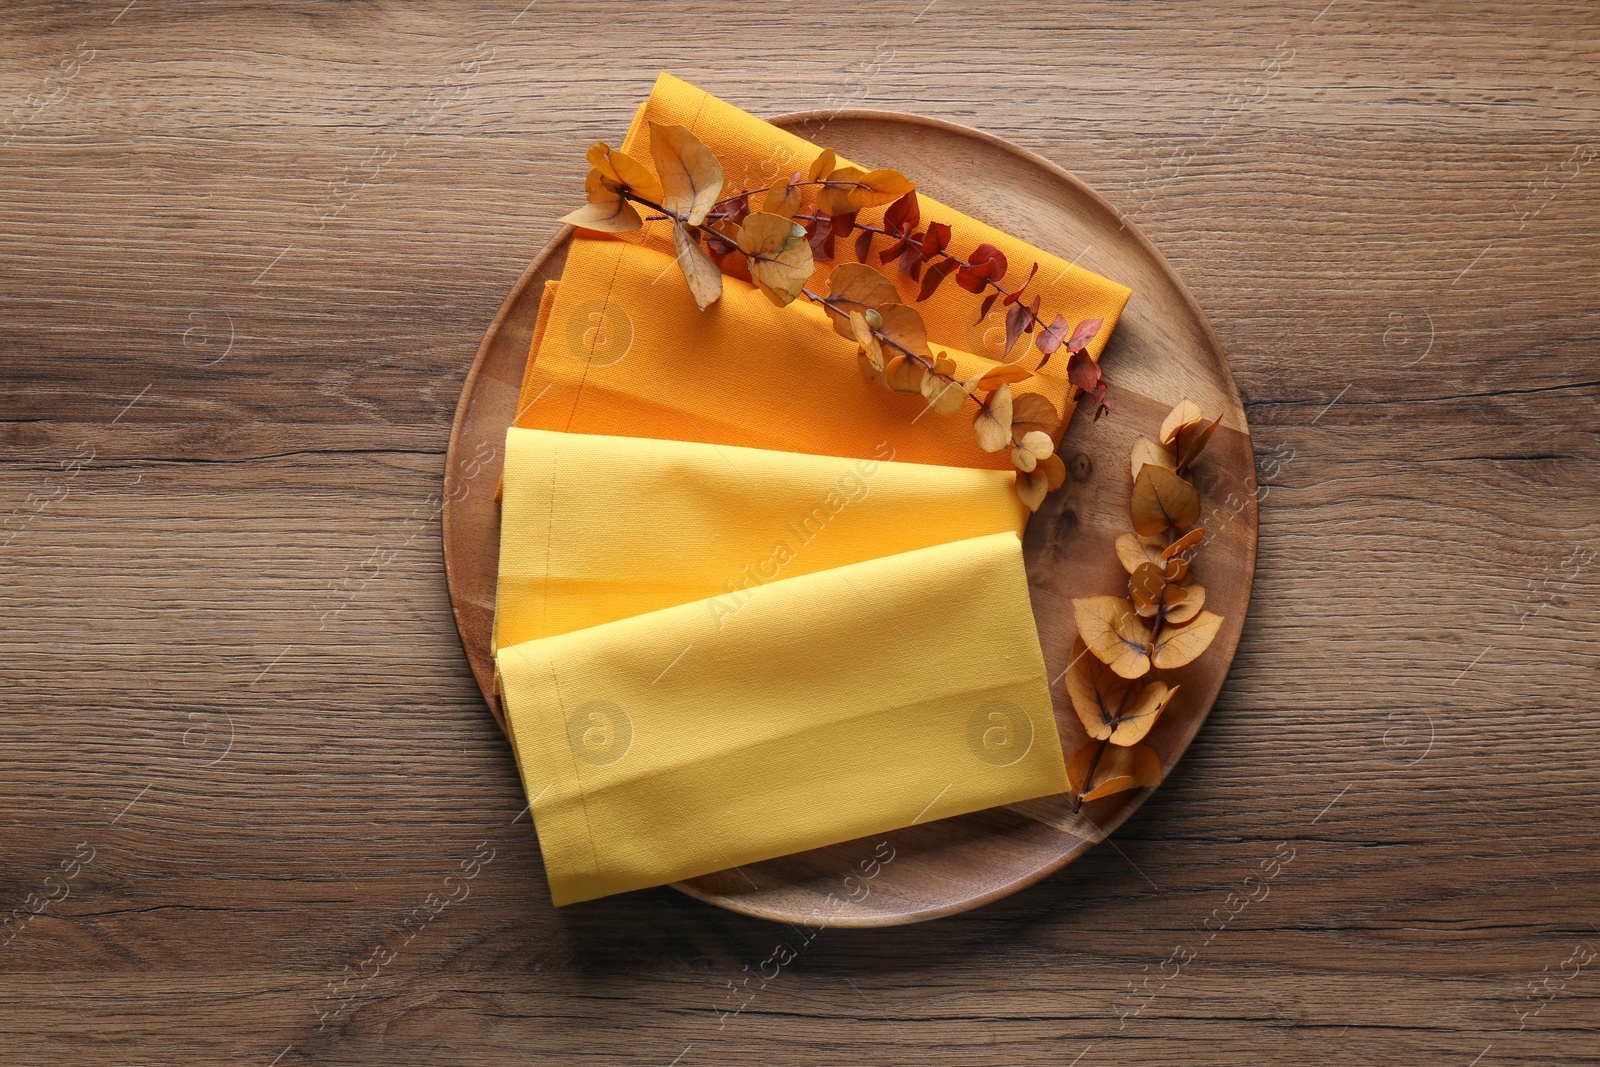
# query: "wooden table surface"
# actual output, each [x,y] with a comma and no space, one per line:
[252,807]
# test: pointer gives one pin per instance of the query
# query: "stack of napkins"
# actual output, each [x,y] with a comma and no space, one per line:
[749,602]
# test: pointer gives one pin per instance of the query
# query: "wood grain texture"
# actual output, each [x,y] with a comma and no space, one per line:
[230,669]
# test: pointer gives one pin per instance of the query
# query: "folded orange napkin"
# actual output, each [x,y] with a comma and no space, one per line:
[623,348]
[750,603]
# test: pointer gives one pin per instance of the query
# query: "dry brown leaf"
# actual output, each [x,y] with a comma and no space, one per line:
[1175,570]
[1053,469]
[1165,600]
[780,255]
[873,373]
[1184,543]
[1100,769]
[1113,631]
[705,280]
[1186,413]
[691,177]
[1145,586]
[1180,645]
[622,171]
[903,325]
[1133,550]
[857,287]
[992,423]
[1192,441]
[1023,460]
[822,166]
[1147,451]
[1162,501]
[1033,411]
[1194,599]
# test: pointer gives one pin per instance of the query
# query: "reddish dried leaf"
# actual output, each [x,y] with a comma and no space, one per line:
[1083,334]
[937,273]
[902,216]
[986,263]
[1051,336]
[1016,319]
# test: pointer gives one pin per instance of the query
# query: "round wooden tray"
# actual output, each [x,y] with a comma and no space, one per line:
[1162,351]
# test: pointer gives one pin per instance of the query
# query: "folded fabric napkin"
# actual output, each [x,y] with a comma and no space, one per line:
[828,700]
[749,603]
[622,350]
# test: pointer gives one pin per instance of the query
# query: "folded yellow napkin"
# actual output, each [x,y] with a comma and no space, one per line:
[729,654]
[623,349]
[750,603]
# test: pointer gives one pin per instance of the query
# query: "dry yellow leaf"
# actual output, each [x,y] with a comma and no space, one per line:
[1036,441]
[1184,543]
[1180,645]
[851,189]
[944,396]
[992,423]
[834,198]
[876,188]
[705,280]
[606,211]
[1186,413]
[1047,476]
[1100,769]
[1033,411]
[1031,489]
[1147,451]
[1112,630]
[1145,585]
[691,177]
[622,171]
[780,255]
[905,375]
[861,328]
[1162,501]
[1031,446]
[1005,372]
[1192,440]
[1053,469]
[1110,707]
[1194,599]
[1133,550]
[782,199]
[873,373]
[857,287]
[822,166]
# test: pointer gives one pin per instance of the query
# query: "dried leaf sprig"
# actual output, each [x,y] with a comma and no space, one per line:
[983,270]
[1160,625]
[712,233]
